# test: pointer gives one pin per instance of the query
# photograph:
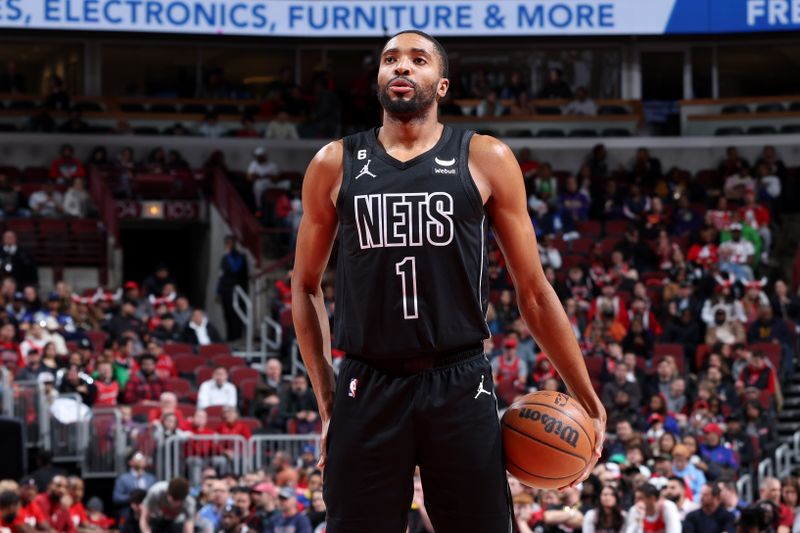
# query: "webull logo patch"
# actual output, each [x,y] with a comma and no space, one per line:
[565,432]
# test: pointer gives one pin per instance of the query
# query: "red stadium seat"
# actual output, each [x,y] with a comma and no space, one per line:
[241,373]
[214,411]
[582,245]
[21,225]
[140,411]
[98,339]
[608,244]
[590,229]
[700,355]
[252,423]
[210,350]
[202,373]
[84,225]
[11,172]
[616,228]
[247,388]
[181,387]
[174,348]
[770,350]
[187,363]
[570,261]
[187,409]
[36,173]
[286,319]
[214,421]
[228,361]
[52,225]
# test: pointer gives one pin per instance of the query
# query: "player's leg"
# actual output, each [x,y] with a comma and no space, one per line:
[368,480]
[460,450]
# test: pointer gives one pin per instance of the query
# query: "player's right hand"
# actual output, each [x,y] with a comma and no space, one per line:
[323,444]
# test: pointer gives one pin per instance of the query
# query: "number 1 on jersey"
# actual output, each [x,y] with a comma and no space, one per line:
[407,270]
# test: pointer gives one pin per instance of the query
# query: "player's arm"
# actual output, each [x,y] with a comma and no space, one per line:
[493,164]
[315,239]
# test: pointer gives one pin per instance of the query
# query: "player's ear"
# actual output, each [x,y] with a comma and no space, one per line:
[444,85]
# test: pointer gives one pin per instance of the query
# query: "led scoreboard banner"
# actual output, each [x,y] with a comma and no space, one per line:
[377,18]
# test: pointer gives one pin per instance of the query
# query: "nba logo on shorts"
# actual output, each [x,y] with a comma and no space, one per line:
[353,386]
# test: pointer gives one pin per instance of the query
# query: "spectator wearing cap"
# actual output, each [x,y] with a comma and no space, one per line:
[692,476]
[510,373]
[199,331]
[136,478]
[34,368]
[217,390]
[736,255]
[95,515]
[265,495]
[290,519]
[29,513]
[167,329]
[73,380]
[721,460]
[49,503]
[144,384]
[711,516]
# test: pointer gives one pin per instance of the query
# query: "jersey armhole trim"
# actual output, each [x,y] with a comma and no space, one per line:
[346,173]
[467,180]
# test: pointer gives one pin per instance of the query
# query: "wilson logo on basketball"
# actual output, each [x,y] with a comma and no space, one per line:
[552,425]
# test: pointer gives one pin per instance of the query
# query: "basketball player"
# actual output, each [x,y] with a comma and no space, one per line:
[411,202]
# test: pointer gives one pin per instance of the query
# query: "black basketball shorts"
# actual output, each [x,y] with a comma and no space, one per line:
[442,419]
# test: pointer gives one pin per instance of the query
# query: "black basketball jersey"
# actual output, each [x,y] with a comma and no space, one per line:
[411,267]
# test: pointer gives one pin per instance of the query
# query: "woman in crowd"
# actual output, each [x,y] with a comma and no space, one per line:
[608,517]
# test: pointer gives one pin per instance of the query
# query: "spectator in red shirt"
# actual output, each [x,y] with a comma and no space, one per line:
[144,384]
[231,425]
[199,426]
[9,511]
[168,403]
[758,374]
[77,512]
[29,513]
[66,166]
[49,503]
[107,386]
[165,366]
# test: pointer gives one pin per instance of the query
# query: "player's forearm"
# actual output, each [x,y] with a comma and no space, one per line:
[314,337]
[550,327]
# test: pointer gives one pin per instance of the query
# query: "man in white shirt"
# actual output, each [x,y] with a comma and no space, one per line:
[217,390]
[280,128]
[47,202]
[582,105]
[210,127]
[736,255]
[263,174]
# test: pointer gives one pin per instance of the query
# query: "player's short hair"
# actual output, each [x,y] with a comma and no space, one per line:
[440,51]
[178,489]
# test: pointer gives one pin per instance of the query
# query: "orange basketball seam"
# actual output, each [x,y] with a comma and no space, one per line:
[533,438]
[539,475]
[564,413]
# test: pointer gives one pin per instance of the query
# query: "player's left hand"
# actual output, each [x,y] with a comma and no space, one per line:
[599,424]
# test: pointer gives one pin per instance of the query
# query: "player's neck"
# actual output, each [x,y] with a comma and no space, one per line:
[420,131]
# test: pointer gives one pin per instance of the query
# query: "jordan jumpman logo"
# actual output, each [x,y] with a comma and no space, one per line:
[481,390]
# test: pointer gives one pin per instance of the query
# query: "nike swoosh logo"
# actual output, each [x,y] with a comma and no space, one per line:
[445,163]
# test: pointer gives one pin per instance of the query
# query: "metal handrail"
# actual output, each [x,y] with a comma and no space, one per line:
[744,488]
[765,469]
[783,460]
[243,307]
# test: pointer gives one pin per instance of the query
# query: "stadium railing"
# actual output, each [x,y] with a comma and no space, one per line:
[187,455]
[263,448]
[105,455]
[30,405]
[69,428]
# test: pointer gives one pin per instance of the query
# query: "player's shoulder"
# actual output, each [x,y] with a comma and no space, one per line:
[486,147]
[326,166]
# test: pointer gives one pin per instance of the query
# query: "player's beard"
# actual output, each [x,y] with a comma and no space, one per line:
[407,108]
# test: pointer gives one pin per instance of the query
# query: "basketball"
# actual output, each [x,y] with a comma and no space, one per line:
[548,439]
